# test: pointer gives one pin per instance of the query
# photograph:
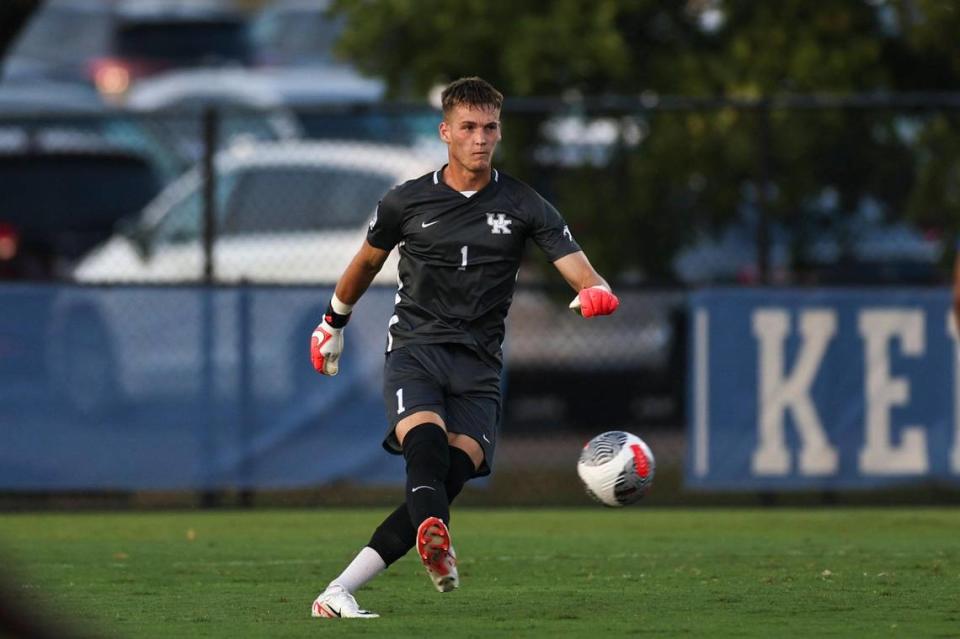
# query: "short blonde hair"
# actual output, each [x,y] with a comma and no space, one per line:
[471,91]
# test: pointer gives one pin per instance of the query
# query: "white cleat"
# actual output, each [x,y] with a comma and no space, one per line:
[337,603]
[437,554]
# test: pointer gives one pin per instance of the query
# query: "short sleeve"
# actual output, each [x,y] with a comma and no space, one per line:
[552,234]
[385,230]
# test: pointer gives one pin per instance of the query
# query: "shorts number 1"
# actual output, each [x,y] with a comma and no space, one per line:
[400,407]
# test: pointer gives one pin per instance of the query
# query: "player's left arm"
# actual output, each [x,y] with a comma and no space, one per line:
[594,295]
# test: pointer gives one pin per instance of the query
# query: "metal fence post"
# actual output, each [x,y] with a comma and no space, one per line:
[209,497]
[210,126]
[245,420]
[763,193]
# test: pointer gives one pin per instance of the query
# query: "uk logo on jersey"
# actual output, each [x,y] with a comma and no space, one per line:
[566,233]
[499,224]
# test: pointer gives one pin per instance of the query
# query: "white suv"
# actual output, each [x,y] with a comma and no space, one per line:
[292,212]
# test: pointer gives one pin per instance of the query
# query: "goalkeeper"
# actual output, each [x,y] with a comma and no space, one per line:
[461,232]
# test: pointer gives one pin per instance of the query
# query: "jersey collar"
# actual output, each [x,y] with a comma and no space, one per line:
[436,175]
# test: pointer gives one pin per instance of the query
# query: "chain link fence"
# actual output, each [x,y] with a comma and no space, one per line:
[664,194]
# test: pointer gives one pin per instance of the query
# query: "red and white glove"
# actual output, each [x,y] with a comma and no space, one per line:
[326,344]
[596,300]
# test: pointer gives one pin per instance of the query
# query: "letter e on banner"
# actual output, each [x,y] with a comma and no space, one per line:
[883,392]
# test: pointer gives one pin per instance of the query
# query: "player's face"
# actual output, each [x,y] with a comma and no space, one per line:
[471,134]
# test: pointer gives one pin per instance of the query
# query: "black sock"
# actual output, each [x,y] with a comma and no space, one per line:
[428,461]
[461,469]
[395,536]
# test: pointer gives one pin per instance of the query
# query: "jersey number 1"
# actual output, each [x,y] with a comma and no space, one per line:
[463,253]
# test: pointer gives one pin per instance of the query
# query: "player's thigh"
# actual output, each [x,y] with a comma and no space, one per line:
[472,425]
[412,396]
[473,407]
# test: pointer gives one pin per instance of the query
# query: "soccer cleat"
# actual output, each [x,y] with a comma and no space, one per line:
[337,603]
[437,555]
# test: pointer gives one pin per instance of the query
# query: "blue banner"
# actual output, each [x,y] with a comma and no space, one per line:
[186,387]
[821,389]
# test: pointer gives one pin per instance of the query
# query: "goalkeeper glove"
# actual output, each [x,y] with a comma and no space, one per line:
[326,343]
[596,300]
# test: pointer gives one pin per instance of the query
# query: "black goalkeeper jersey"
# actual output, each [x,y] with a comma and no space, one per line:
[459,257]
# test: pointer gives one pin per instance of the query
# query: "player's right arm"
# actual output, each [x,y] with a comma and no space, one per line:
[326,343]
[360,272]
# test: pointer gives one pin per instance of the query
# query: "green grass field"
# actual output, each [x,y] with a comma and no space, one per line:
[538,573]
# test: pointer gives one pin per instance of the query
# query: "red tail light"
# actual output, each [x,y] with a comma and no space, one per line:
[111,77]
[9,242]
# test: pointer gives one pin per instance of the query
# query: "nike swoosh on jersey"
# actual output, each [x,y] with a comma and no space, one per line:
[413,490]
[426,224]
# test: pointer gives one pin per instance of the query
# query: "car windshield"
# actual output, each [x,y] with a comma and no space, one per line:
[290,199]
[70,192]
[297,36]
[63,33]
[185,43]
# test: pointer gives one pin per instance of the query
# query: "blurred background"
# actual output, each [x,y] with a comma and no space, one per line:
[181,184]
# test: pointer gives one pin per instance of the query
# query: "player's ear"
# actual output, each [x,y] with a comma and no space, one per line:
[444,131]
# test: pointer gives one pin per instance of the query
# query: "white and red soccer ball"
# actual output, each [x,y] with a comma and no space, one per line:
[616,468]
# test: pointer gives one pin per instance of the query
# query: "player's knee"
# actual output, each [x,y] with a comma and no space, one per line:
[461,469]
[425,447]
[418,418]
[468,445]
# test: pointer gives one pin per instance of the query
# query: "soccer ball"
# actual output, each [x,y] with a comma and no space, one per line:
[616,468]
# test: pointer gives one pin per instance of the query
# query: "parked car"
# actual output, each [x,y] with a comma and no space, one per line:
[71,188]
[277,103]
[246,110]
[48,109]
[261,88]
[286,212]
[110,45]
[49,97]
[296,33]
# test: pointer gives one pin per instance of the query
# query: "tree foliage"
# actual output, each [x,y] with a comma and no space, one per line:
[807,171]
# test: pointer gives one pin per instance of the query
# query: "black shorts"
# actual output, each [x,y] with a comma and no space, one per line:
[450,380]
